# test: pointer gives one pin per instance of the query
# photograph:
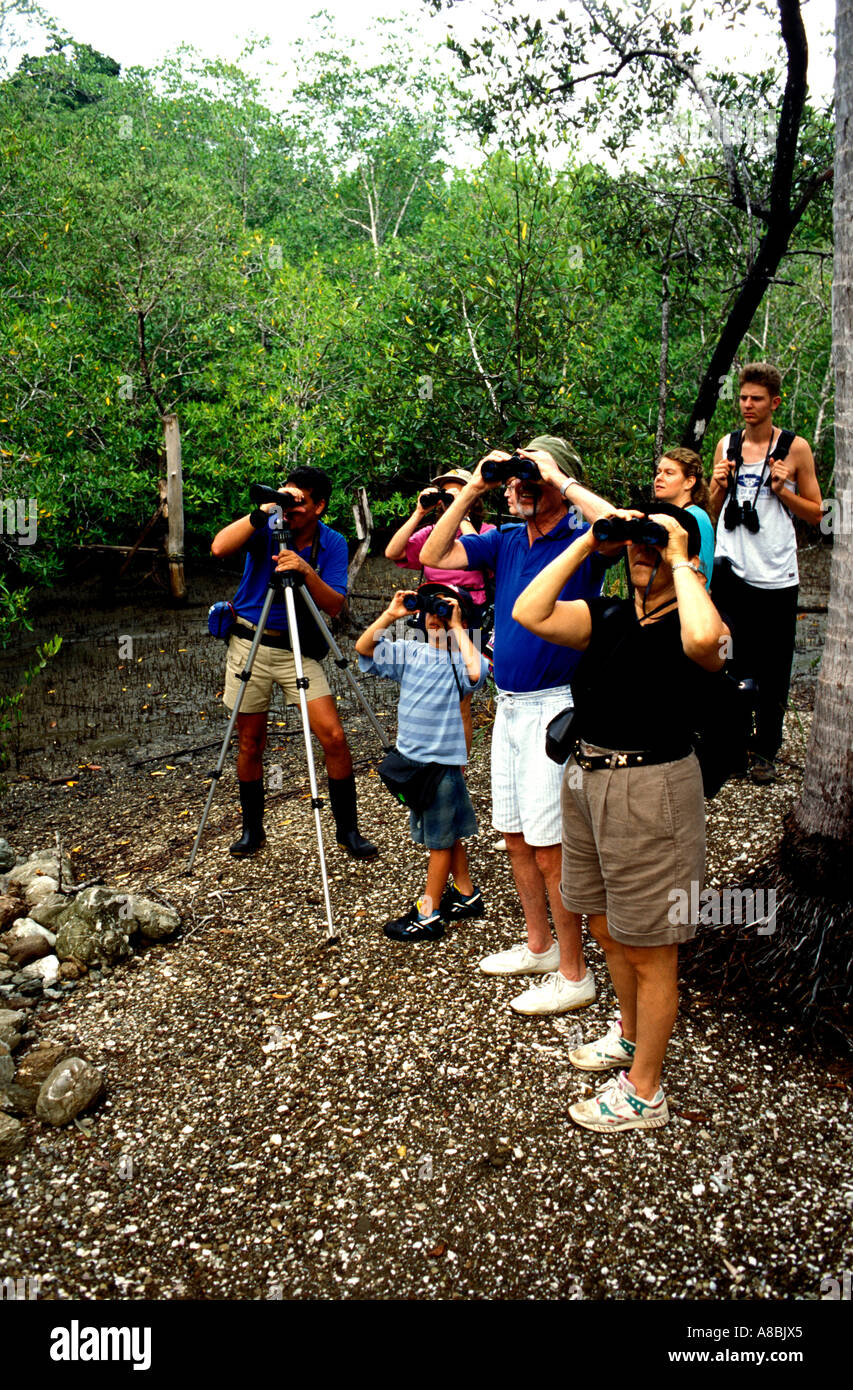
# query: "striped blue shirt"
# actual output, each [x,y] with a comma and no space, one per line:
[429,724]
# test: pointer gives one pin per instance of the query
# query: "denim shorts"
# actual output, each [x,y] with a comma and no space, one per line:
[449,818]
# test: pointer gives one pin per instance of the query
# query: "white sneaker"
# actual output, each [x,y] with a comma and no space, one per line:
[610,1051]
[617,1106]
[556,995]
[518,960]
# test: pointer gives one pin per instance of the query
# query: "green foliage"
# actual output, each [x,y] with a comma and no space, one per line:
[313,286]
[13,617]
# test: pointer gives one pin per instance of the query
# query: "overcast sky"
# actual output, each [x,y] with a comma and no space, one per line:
[142,34]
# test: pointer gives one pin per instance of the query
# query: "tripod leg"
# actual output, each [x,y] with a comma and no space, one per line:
[316,802]
[343,664]
[245,674]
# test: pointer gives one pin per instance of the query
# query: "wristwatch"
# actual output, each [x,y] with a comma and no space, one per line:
[680,564]
[570,482]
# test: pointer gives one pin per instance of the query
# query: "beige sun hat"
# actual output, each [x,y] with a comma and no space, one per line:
[455,475]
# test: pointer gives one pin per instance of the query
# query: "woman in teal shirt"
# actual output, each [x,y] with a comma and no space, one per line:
[679,479]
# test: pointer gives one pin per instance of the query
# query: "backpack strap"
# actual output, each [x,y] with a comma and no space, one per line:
[734,448]
[734,451]
[783,445]
[778,451]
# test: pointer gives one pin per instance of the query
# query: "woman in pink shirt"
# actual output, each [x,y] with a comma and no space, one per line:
[406,544]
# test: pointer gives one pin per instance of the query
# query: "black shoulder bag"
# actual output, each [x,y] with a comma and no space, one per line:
[412,783]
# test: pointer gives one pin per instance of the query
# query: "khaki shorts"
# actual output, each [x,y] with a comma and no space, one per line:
[633,843]
[273,666]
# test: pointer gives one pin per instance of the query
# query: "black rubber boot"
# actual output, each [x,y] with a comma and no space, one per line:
[343,804]
[252,804]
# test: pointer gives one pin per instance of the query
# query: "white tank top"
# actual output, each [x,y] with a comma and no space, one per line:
[767,560]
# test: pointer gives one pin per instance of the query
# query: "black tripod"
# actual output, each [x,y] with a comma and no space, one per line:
[280,589]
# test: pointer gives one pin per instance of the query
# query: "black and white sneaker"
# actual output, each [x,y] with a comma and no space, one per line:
[414,927]
[455,906]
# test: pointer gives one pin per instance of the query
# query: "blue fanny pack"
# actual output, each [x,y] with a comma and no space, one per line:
[221,617]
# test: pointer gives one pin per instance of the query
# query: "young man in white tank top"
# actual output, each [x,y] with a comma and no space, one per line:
[756,497]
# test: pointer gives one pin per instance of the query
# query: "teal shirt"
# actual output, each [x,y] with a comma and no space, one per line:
[706,551]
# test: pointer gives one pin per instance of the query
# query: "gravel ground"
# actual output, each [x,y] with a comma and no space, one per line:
[368,1120]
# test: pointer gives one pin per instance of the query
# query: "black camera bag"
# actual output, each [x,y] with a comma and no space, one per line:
[414,784]
[560,740]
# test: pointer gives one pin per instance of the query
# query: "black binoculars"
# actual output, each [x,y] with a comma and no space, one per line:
[431,497]
[428,603]
[261,494]
[501,470]
[639,529]
[741,514]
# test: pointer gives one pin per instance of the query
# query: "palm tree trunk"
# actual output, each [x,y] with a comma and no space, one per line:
[825,810]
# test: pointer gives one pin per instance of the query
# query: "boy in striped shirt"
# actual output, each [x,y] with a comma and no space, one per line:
[433,675]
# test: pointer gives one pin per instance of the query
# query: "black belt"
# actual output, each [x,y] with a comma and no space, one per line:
[241,630]
[649,757]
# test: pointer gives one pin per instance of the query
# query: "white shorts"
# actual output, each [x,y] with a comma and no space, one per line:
[525,782]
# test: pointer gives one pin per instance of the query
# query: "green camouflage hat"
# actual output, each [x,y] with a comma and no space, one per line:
[562,452]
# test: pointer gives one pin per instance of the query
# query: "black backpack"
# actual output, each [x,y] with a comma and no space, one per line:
[724,729]
[734,452]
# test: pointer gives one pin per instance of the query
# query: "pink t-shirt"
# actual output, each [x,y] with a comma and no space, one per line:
[461,579]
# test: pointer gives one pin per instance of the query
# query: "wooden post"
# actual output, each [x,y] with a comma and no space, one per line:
[363,528]
[175,505]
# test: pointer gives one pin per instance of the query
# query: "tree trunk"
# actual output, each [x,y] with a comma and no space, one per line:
[824,813]
[363,529]
[175,500]
[806,960]
[773,246]
[663,363]
[781,221]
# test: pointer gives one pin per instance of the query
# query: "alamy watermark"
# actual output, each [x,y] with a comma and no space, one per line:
[19,518]
[76,1343]
[17,1290]
[715,907]
[723,1178]
[741,129]
[837,516]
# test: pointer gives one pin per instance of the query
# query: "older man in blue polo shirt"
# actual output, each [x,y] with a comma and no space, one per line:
[532,677]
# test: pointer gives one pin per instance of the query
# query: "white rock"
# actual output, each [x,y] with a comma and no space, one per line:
[46,969]
[40,888]
[23,927]
[42,864]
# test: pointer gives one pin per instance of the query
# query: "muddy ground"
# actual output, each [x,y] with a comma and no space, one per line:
[290,1119]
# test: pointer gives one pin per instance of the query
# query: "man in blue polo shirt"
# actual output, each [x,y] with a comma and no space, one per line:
[532,677]
[320,555]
